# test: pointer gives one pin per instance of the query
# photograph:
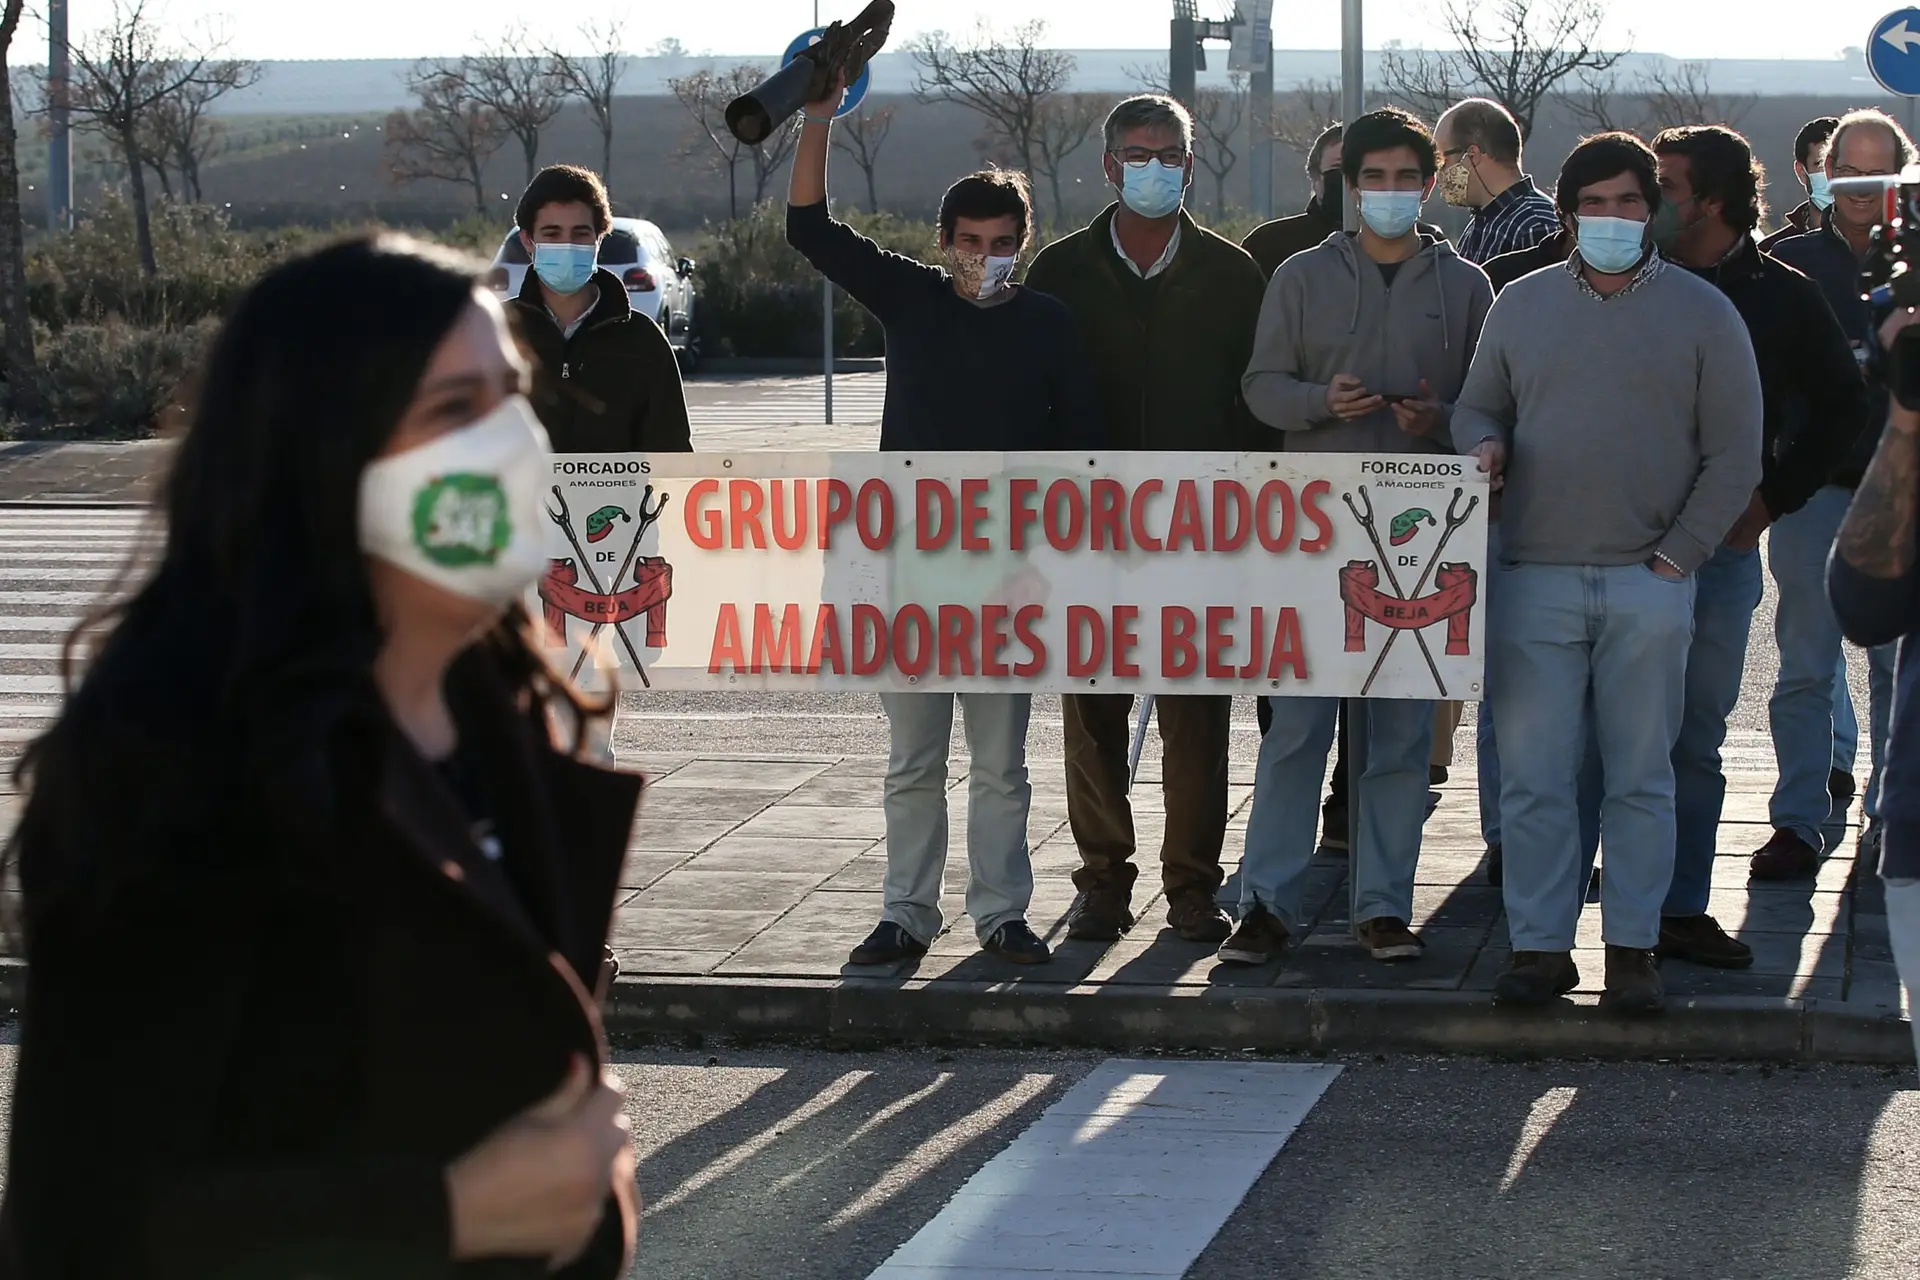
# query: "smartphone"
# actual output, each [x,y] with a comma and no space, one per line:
[1396,399]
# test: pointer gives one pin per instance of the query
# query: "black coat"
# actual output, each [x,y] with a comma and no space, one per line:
[614,386]
[265,1009]
[1826,257]
[1816,400]
[1504,269]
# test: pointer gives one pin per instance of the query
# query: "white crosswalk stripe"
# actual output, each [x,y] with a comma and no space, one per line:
[857,398]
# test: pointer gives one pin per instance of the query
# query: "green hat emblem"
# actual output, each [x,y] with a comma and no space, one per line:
[600,523]
[1407,523]
[461,520]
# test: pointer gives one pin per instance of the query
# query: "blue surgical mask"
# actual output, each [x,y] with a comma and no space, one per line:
[565,268]
[1152,190]
[1612,246]
[1820,188]
[1391,214]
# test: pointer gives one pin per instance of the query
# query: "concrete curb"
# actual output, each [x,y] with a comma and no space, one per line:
[786,364]
[1275,1020]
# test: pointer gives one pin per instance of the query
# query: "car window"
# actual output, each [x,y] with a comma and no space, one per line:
[513,253]
[619,249]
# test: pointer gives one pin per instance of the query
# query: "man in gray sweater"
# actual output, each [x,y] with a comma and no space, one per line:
[1617,401]
[1362,345]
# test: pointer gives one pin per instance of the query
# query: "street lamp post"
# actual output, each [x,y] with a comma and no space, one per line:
[1353,81]
[59,120]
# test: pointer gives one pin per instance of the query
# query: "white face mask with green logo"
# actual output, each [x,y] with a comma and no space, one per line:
[463,511]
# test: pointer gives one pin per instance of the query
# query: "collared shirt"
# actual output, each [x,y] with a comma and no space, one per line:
[1652,267]
[1173,243]
[1518,218]
[568,330]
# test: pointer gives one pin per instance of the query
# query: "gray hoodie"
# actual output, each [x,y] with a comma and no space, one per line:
[1328,311]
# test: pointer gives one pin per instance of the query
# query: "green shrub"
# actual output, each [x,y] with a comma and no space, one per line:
[114,381]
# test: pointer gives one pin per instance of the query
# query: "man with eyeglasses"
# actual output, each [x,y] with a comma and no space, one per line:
[1806,712]
[1167,310]
[1480,158]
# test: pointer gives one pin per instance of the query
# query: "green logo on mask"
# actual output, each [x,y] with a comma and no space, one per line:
[461,520]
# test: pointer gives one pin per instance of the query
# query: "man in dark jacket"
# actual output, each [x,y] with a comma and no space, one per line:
[1815,728]
[1168,310]
[1272,243]
[605,379]
[974,361]
[1810,167]
[1814,405]
[1550,252]
[1873,581]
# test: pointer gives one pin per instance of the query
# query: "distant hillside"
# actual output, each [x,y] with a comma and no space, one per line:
[336,175]
[353,87]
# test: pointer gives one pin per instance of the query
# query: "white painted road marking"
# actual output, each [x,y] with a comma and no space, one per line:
[1131,1173]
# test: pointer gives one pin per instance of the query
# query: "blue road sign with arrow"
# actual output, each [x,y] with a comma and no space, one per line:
[1893,53]
[858,89]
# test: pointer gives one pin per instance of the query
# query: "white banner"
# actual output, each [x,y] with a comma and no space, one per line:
[1327,575]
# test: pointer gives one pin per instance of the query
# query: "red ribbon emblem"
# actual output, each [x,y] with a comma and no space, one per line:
[1456,588]
[652,587]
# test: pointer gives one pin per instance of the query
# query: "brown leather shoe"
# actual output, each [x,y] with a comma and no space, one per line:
[1099,914]
[1385,938]
[1701,940]
[1785,857]
[1260,939]
[1536,978]
[1195,916]
[1633,983]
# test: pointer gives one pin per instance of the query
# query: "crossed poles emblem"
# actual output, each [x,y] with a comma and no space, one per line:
[645,518]
[1456,516]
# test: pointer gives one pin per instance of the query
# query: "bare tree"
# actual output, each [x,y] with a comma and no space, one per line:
[1681,95]
[1305,113]
[23,366]
[119,75]
[1007,82]
[449,137]
[1517,52]
[705,95]
[525,90]
[179,134]
[1218,116]
[595,78]
[1599,105]
[768,157]
[861,135]
[1065,124]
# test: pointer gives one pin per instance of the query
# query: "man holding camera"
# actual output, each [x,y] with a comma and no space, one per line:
[1805,712]
[974,361]
[1874,583]
[1815,404]
[1169,310]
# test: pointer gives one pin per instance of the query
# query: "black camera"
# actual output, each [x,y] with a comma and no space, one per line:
[1890,279]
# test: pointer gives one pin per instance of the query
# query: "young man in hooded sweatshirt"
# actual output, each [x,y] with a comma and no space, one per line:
[1387,312]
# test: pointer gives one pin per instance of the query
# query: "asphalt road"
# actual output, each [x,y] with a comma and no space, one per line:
[796,1165]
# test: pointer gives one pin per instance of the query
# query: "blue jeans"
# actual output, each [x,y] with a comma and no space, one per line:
[1903,927]
[1727,591]
[1000,883]
[1282,828]
[1811,716]
[1600,649]
[1486,744]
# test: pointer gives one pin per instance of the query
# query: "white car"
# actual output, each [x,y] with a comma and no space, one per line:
[659,285]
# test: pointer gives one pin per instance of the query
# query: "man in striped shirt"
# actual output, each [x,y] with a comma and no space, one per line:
[1480,151]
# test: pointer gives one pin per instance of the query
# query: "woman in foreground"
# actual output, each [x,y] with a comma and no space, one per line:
[311,902]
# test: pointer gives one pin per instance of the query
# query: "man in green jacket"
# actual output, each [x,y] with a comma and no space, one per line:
[605,379]
[1167,310]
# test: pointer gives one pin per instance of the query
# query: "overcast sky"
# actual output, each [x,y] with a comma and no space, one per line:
[272,29]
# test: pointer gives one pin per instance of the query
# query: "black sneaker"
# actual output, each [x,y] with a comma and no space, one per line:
[1496,866]
[1014,941]
[1099,914]
[1333,827]
[1633,983]
[1436,775]
[1700,940]
[887,944]
[1259,939]
[1840,786]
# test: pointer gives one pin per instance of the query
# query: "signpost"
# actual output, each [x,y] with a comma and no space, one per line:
[849,100]
[1893,56]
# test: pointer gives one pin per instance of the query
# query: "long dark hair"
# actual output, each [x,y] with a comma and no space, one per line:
[249,646]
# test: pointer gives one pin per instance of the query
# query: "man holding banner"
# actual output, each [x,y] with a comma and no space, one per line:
[1168,308]
[974,362]
[1362,346]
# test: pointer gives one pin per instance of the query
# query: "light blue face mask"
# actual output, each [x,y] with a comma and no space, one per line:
[1612,246]
[1152,190]
[1391,214]
[565,268]
[1820,189]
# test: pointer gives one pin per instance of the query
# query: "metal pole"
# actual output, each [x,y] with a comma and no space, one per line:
[1260,118]
[1181,40]
[59,121]
[1353,83]
[826,355]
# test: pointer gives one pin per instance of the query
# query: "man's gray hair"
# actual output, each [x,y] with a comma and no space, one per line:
[1874,117]
[1149,111]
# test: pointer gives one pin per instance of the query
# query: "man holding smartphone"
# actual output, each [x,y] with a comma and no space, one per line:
[1362,345]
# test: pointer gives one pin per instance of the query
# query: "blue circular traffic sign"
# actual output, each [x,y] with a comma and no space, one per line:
[855,91]
[1893,53]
